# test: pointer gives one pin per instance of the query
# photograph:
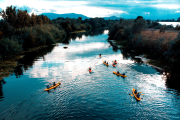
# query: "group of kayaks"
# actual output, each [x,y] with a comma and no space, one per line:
[136,95]
[113,64]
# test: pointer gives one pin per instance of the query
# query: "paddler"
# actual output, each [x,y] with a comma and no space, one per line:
[114,65]
[138,95]
[54,83]
[99,55]
[117,72]
[89,69]
[115,61]
[47,86]
[135,91]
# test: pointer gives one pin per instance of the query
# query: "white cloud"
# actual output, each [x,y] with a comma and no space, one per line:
[147,13]
[61,7]
[90,11]
[177,11]
[170,6]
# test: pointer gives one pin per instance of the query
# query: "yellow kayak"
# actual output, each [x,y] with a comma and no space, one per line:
[53,86]
[119,74]
[135,95]
[106,63]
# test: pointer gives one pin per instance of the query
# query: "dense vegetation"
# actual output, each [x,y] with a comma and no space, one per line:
[20,31]
[128,34]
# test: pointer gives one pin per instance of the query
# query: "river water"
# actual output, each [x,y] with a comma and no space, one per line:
[84,95]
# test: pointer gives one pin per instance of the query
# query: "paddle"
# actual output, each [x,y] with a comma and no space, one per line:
[131,94]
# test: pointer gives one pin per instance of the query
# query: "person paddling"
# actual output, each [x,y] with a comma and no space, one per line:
[113,65]
[99,55]
[117,72]
[89,69]
[115,61]
[135,91]
[138,95]
[54,83]
[47,86]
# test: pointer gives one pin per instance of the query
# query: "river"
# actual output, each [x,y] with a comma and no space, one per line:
[83,95]
[174,24]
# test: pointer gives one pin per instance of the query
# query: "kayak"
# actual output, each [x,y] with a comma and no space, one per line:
[113,65]
[135,95]
[52,86]
[119,74]
[106,63]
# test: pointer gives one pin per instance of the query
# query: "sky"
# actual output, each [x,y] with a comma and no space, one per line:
[149,9]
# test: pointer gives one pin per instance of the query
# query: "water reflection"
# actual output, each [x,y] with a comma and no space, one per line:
[28,60]
[75,36]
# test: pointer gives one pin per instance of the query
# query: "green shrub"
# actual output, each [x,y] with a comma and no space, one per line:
[35,36]
[9,47]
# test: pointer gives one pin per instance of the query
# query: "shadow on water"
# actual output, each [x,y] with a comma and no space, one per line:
[1,91]
[29,58]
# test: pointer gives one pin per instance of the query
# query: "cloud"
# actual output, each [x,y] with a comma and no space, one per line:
[167,6]
[100,8]
[177,11]
[25,7]
[147,13]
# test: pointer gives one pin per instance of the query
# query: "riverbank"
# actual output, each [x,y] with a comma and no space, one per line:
[7,66]
[78,31]
[153,63]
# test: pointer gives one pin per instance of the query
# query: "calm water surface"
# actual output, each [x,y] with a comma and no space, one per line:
[174,24]
[99,95]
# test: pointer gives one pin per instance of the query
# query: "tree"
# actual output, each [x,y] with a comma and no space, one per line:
[80,19]
[9,15]
[33,19]
[139,25]
[23,19]
[139,17]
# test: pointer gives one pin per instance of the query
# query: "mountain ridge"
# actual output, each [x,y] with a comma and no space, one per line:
[74,15]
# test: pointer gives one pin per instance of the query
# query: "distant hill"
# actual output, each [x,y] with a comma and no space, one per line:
[112,18]
[69,15]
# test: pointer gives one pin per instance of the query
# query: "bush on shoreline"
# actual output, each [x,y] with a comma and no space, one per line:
[9,47]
